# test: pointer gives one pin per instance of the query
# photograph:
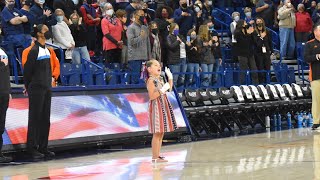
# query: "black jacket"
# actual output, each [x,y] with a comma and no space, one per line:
[79,34]
[37,68]
[244,45]
[311,49]
[193,55]
[4,79]
[206,54]
[174,49]
[260,42]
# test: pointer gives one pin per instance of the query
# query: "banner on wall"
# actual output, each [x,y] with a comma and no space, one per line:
[86,115]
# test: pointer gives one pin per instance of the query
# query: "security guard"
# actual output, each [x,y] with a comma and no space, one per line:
[312,56]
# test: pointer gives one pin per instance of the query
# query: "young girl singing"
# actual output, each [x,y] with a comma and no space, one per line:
[161,117]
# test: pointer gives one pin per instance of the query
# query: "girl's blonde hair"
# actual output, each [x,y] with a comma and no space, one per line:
[171,27]
[203,33]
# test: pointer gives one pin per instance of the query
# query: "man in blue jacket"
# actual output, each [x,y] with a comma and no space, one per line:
[42,14]
[184,17]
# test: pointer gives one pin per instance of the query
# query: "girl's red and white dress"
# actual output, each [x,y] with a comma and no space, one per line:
[161,116]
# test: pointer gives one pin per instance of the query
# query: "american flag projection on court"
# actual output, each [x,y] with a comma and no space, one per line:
[83,116]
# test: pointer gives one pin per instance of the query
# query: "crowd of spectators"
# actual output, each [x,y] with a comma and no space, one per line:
[179,34]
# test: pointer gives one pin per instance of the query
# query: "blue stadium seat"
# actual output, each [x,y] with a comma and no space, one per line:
[97,75]
[70,74]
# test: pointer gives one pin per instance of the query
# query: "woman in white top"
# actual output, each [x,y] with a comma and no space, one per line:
[235,17]
[62,35]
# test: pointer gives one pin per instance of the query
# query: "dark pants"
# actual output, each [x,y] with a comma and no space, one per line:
[4,102]
[113,56]
[263,62]
[91,38]
[302,36]
[135,70]
[39,118]
[248,63]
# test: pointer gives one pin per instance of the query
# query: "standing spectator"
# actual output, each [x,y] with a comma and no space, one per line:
[194,57]
[199,15]
[184,17]
[38,78]
[207,60]
[132,7]
[265,10]
[216,50]
[236,17]
[312,7]
[316,14]
[244,51]
[79,32]
[12,21]
[91,20]
[138,45]
[62,36]
[42,14]
[149,13]
[248,16]
[176,54]
[287,23]
[163,20]
[121,4]
[303,25]
[207,9]
[263,48]
[122,15]
[25,10]
[155,42]
[4,99]
[67,6]
[112,31]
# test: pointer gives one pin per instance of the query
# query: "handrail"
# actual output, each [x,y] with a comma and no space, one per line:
[223,12]
[61,51]
[91,63]
[221,22]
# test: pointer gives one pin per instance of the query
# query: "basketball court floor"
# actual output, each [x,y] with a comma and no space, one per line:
[288,154]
